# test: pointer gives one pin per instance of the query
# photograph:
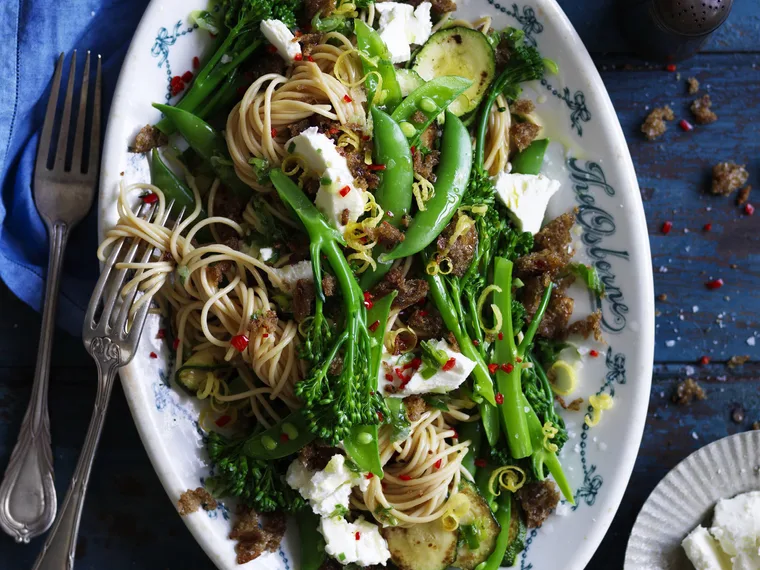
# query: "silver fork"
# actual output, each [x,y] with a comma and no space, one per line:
[63,195]
[111,335]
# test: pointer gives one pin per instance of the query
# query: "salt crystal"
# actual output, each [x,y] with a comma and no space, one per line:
[695,309]
[670,343]
[689,370]
[663,269]
[751,341]
[694,435]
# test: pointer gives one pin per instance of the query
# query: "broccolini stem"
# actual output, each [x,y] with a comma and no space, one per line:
[512,410]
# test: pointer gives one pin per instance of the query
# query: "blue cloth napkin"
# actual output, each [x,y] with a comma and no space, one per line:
[34,33]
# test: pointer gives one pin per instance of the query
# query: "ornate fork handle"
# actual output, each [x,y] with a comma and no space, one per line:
[60,546]
[27,493]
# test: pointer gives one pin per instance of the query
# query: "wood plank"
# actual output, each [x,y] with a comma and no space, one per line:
[674,174]
[597,23]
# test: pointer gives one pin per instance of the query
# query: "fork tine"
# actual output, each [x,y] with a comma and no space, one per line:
[43,148]
[76,155]
[121,322]
[94,161]
[63,136]
[115,283]
[97,293]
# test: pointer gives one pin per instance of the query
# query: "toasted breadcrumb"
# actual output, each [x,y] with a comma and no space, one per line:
[574,406]
[688,391]
[756,425]
[743,196]
[737,360]
[693,85]
[700,108]
[522,134]
[654,125]
[522,107]
[727,177]
[191,500]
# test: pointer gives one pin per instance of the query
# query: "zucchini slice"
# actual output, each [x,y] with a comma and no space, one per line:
[408,80]
[478,530]
[196,368]
[463,52]
[425,546]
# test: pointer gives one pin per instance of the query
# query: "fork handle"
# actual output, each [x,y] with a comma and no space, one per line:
[60,545]
[27,493]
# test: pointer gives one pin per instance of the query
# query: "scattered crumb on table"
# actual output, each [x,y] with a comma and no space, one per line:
[743,195]
[736,360]
[693,85]
[700,108]
[688,391]
[727,177]
[654,125]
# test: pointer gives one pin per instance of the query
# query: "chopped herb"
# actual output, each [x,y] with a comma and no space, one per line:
[437,401]
[398,420]
[325,181]
[183,272]
[261,169]
[589,276]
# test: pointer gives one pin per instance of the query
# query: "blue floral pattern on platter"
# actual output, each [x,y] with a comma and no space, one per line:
[589,185]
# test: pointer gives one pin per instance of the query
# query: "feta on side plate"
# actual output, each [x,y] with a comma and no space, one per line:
[704,551]
[527,197]
[359,542]
[278,34]
[733,540]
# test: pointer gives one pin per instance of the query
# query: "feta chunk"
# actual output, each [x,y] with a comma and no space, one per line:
[440,382]
[317,150]
[401,25]
[526,196]
[704,551]
[286,277]
[359,542]
[266,253]
[328,490]
[323,159]
[278,34]
[423,24]
[736,526]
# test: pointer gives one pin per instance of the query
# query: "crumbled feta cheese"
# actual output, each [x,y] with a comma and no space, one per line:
[285,278]
[440,382]
[704,551]
[322,158]
[736,527]
[278,34]
[317,150]
[527,197]
[359,542]
[266,253]
[326,490]
[401,25]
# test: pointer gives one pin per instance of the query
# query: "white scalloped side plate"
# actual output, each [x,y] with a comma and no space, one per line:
[599,181]
[686,497]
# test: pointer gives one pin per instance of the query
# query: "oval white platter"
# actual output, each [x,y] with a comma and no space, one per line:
[589,157]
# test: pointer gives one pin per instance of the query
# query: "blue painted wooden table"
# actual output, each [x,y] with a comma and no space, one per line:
[128,522]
